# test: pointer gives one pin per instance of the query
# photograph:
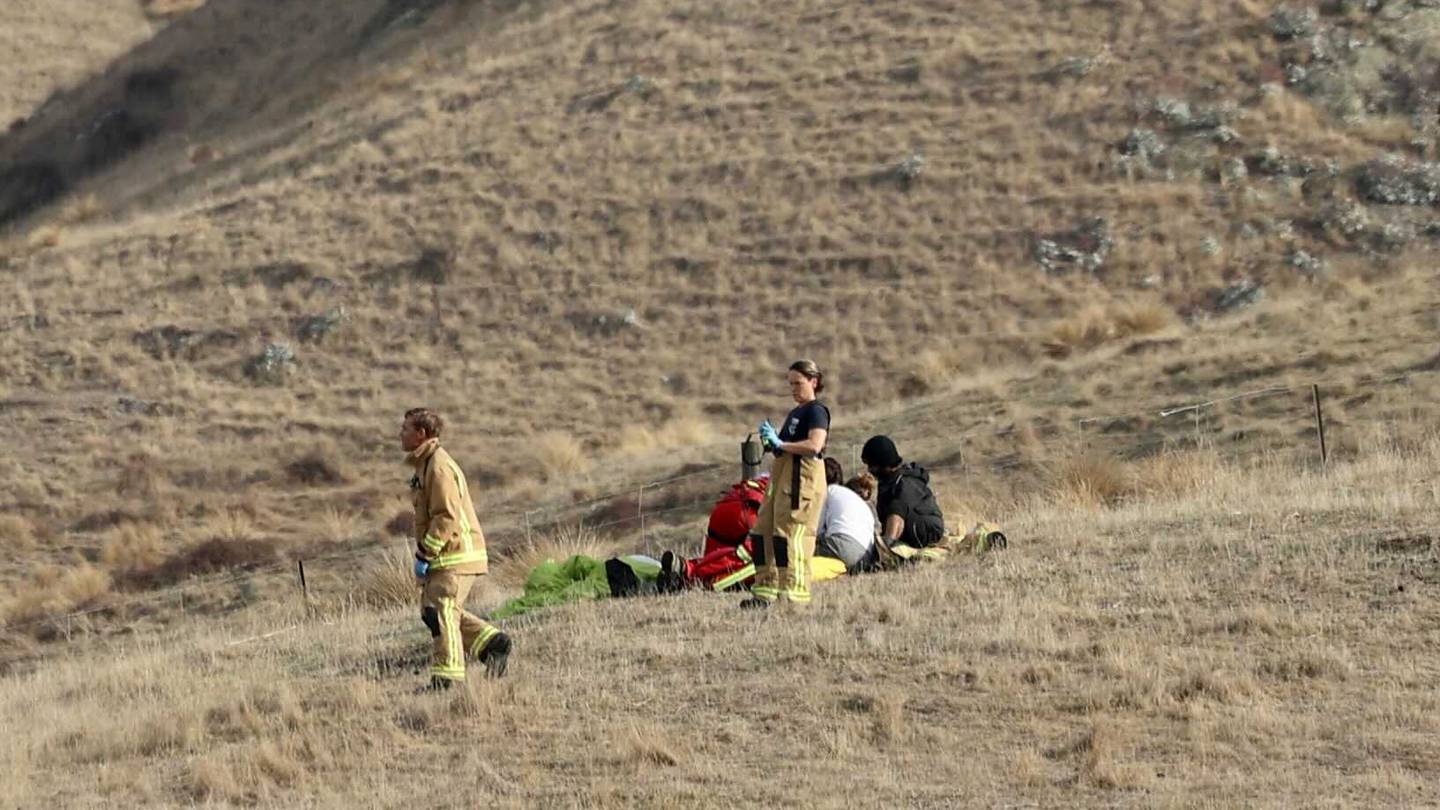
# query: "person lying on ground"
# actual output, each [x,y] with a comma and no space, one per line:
[729,569]
[581,578]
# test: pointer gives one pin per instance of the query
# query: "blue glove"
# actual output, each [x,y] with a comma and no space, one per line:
[421,568]
[768,436]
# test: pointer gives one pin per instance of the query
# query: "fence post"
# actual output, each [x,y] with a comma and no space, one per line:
[527,529]
[1320,423]
[640,510]
[304,586]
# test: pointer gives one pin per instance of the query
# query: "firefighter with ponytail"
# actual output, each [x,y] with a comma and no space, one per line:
[784,534]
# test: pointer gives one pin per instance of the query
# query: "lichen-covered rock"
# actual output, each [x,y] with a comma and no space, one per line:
[315,328]
[1084,247]
[1392,180]
[1142,144]
[273,365]
[1238,296]
[1307,263]
[1346,219]
[1288,23]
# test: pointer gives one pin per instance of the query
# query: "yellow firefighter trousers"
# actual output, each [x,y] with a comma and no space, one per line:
[786,529]
[456,630]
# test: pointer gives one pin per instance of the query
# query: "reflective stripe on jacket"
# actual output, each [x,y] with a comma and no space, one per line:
[447,531]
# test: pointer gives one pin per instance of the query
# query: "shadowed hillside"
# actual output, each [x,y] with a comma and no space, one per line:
[51,45]
[235,68]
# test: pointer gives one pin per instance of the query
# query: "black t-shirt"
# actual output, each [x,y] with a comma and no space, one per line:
[813,415]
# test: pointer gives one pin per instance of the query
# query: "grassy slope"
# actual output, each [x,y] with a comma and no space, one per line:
[744,173]
[1258,636]
[734,181]
[53,46]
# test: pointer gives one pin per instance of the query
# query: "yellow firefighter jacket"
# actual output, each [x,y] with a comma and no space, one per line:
[447,533]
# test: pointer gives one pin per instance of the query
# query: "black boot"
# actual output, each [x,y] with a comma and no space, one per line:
[669,580]
[496,655]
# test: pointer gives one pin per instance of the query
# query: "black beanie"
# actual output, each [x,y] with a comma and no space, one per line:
[880,452]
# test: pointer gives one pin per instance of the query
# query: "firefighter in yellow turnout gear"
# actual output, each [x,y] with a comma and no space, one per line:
[784,534]
[449,556]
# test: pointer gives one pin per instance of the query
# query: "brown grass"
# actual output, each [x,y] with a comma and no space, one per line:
[55,591]
[558,455]
[16,533]
[216,555]
[1102,751]
[45,238]
[317,466]
[1092,478]
[133,549]
[1090,664]
[740,199]
[558,544]
[722,246]
[388,582]
[1098,326]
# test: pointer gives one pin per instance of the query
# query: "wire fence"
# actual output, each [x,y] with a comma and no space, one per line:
[612,510]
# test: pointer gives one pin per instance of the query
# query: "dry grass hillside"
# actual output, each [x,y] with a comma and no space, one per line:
[594,233]
[1254,636]
[50,46]
[1017,234]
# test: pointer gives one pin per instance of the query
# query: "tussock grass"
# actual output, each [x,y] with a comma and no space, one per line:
[1129,652]
[55,591]
[319,465]
[557,455]
[1181,613]
[216,555]
[388,582]
[133,549]
[680,432]
[1092,478]
[1103,757]
[1174,472]
[1097,326]
[16,532]
[558,544]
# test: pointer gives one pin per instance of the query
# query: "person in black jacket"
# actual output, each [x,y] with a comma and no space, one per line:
[905,504]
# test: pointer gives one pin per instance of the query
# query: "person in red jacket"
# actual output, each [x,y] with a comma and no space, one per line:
[735,514]
[727,545]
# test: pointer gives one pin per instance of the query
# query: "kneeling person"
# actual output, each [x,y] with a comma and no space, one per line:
[911,523]
[449,555]
[847,526]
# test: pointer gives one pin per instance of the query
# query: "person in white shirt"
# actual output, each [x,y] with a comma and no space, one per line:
[847,524]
